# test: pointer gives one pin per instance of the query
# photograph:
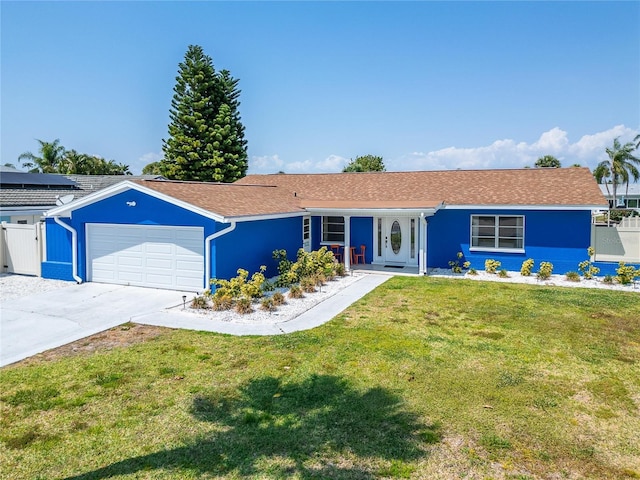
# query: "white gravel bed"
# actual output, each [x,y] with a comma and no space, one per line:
[290,310]
[15,286]
[555,280]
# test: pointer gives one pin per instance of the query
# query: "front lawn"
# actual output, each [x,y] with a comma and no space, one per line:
[423,378]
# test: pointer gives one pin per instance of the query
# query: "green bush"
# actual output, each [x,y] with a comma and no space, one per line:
[268,305]
[200,302]
[626,274]
[295,292]
[307,264]
[490,265]
[243,305]
[586,268]
[241,286]
[278,299]
[527,267]
[503,273]
[455,264]
[572,276]
[545,270]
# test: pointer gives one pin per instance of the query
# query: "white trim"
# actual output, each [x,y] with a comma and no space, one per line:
[207,251]
[497,250]
[347,243]
[496,227]
[525,207]
[65,210]
[270,216]
[367,212]
[74,248]
[422,236]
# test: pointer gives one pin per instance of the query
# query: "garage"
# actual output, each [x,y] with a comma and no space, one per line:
[169,257]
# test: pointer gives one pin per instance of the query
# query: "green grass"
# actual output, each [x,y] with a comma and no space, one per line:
[423,378]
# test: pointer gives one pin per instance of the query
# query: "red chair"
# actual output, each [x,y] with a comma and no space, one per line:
[359,256]
[336,252]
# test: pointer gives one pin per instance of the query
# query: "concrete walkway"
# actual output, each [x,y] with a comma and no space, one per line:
[39,322]
[314,317]
[34,323]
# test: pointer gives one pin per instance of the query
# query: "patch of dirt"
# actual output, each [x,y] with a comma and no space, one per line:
[121,336]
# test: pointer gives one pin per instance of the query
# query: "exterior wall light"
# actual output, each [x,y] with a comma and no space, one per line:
[131,204]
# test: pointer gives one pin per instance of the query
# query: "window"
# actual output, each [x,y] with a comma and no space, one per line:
[632,203]
[413,238]
[333,229]
[497,232]
[306,229]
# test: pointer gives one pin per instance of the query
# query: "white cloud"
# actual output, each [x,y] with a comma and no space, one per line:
[137,166]
[265,164]
[507,153]
[274,164]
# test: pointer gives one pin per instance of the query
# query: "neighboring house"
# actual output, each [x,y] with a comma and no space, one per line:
[178,235]
[627,198]
[24,197]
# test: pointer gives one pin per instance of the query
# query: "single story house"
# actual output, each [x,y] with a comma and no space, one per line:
[179,235]
[24,196]
[627,197]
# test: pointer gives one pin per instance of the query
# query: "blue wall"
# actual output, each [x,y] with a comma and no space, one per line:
[252,244]
[560,237]
[362,234]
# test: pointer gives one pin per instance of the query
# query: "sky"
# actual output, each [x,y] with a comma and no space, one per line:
[426,85]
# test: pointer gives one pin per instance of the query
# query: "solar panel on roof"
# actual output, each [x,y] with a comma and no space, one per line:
[39,179]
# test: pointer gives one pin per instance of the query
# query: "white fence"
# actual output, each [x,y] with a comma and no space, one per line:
[619,243]
[21,248]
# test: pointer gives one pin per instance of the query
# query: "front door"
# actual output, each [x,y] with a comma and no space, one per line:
[396,239]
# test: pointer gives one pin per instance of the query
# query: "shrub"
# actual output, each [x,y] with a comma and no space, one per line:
[473,271]
[222,302]
[503,273]
[527,267]
[586,268]
[608,279]
[241,285]
[200,302]
[295,292]
[267,305]
[307,264]
[626,274]
[572,276]
[243,305]
[320,279]
[278,299]
[339,269]
[545,270]
[455,264]
[308,284]
[490,265]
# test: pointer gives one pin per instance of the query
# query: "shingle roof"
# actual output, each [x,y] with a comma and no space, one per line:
[45,196]
[535,186]
[229,199]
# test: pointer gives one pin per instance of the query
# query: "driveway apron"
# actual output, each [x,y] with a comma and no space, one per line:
[39,322]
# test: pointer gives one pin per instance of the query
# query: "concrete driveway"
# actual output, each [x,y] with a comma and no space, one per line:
[35,323]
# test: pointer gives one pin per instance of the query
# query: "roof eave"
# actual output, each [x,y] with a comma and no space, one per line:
[66,210]
[525,207]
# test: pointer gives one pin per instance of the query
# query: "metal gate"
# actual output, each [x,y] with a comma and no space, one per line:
[21,248]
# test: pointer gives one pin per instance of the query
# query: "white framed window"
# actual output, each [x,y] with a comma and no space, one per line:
[333,230]
[306,234]
[497,232]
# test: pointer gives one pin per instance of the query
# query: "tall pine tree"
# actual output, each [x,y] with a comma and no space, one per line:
[206,138]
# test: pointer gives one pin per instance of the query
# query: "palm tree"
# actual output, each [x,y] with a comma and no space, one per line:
[619,168]
[51,155]
[73,163]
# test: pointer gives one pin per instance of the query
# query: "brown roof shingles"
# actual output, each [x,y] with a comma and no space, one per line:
[292,193]
[229,199]
[535,186]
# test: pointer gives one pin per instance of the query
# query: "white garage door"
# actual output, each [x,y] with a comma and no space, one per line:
[146,256]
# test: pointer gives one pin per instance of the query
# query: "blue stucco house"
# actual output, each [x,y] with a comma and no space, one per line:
[178,235]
